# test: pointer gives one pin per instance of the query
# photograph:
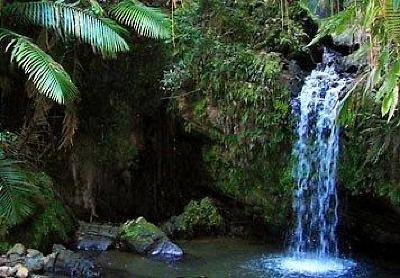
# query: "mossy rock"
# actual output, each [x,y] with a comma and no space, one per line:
[198,218]
[140,235]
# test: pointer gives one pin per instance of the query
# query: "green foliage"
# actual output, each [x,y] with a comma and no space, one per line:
[49,221]
[199,215]
[376,26]
[3,228]
[5,246]
[226,83]
[147,21]
[16,192]
[88,25]
[49,77]
[370,158]
[70,21]
[29,209]
[53,223]
[392,19]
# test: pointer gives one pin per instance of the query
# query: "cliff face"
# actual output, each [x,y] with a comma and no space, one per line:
[232,81]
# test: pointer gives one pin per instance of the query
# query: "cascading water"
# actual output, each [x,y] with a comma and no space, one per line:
[315,199]
[313,250]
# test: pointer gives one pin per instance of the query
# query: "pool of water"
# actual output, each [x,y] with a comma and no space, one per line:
[236,258]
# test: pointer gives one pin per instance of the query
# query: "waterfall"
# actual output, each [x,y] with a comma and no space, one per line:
[315,201]
[313,248]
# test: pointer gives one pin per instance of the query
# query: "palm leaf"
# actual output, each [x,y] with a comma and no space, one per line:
[392,20]
[147,21]
[71,21]
[49,77]
[16,192]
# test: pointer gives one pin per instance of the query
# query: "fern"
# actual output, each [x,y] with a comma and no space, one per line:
[147,21]
[71,21]
[16,192]
[48,76]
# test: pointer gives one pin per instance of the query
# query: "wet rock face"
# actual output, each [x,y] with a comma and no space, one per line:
[293,77]
[145,238]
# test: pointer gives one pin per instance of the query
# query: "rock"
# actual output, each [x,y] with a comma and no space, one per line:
[34,260]
[22,271]
[96,237]
[18,249]
[16,254]
[4,261]
[7,271]
[167,250]
[141,235]
[347,38]
[49,262]
[66,262]
[293,77]
[146,238]
[58,247]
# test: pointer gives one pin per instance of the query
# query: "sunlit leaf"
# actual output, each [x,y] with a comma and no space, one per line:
[49,77]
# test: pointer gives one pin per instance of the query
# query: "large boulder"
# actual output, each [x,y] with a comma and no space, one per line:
[146,238]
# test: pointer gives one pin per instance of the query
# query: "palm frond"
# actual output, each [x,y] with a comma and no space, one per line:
[71,21]
[147,21]
[16,192]
[392,20]
[49,77]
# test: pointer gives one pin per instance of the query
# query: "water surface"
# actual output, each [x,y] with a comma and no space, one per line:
[221,258]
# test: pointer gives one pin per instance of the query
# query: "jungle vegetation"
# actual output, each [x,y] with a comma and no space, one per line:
[226,79]
[57,31]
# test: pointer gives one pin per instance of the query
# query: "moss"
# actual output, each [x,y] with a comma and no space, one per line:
[227,83]
[140,235]
[199,215]
[140,230]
